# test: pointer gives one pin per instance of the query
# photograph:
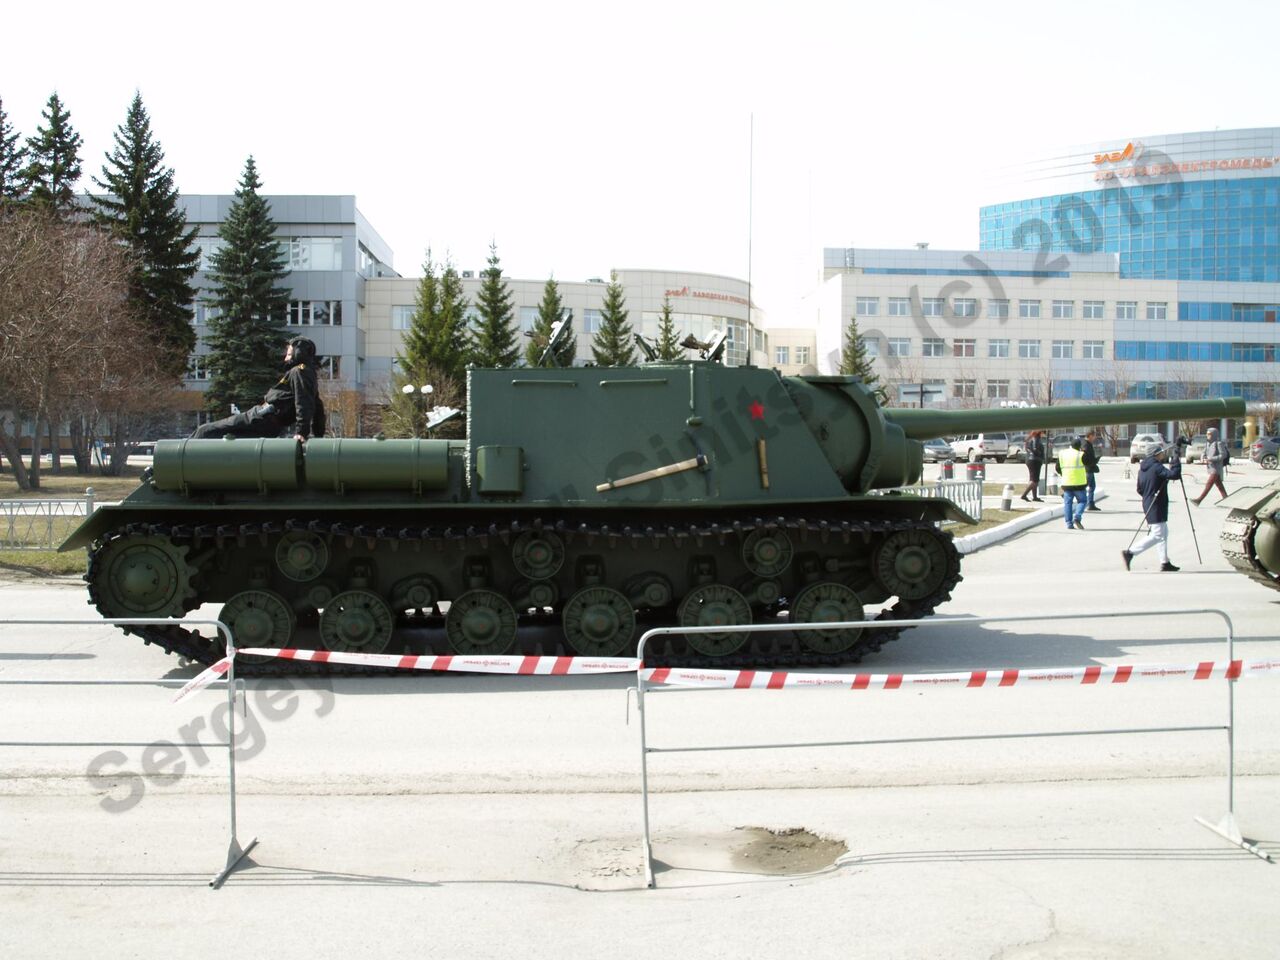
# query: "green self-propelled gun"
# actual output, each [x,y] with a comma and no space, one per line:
[583,503]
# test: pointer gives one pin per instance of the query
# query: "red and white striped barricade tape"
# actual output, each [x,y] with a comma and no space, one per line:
[511,664]
[784,679]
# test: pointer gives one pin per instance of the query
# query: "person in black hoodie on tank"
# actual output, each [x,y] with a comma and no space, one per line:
[1153,484]
[294,402]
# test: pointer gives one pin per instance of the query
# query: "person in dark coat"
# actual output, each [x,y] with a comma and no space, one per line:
[293,403]
[1215,454]
[1090,468]
[1034,449]
[1153,483]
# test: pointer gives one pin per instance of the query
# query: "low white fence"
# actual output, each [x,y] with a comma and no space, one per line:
[965,494]
[40,524]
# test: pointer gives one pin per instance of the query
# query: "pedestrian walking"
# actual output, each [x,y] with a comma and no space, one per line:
[1153,483]
[1215,457]
[1090,468]
[1075,483]
[1034,448]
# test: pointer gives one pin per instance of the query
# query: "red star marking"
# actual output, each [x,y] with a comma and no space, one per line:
[756,410]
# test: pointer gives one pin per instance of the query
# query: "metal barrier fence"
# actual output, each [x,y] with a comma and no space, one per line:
[40,524]
[235,852]
[965,494]
[1224,827]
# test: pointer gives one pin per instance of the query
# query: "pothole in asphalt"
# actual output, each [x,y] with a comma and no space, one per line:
[783,852]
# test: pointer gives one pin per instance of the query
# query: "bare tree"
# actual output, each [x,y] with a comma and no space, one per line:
[68,345]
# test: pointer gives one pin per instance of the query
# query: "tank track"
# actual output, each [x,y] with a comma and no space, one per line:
[200,649]
[1236,539]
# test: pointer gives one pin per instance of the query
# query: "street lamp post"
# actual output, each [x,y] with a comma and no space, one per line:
[410,390]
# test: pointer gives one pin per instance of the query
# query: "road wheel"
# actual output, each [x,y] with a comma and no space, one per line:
[973,455]
[1269,462]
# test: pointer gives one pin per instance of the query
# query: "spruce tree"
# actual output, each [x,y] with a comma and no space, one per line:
[247,338]
[612,346]
[494,342]
[142,210]
[551,310]
[854,361]
[12,159]
[436,338]
[53,162]
[668,337]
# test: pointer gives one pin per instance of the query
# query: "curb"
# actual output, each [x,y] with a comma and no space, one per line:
[977,541]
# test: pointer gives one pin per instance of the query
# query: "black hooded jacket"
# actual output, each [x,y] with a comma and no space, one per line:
[296,395]
[1153,484]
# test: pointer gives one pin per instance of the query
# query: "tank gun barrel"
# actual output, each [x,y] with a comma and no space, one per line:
[926,424]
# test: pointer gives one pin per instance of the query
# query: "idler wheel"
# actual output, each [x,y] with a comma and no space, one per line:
[144,577]
[357,621]
[767,554]
[714,605]
[415,593]
[599,622]
[827,603]
[538,554]
[911,564]
[258,618]
[481,621]
[301,556]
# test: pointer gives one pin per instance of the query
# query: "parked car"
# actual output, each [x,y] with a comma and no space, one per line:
[1197,447]
[1266,452]
[937,450]
[1017,447]
[1142,445]
[972,446]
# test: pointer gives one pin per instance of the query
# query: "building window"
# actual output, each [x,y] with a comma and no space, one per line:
[870,344]
[964,389]
[528,317]
[1092,350]
[899,306]
[1063,309]
[966,307]
[591,320]
[314,313]
[963,348]
[899,346]
[782,355]
[998,309]
[1029,349]
[1093,309]
[1157,311]
[1029,309]
[314,253]
[205,312]
[206,247]
[802,355]
[998,348]
[868,306]
[198,367]
[330,368]
[1126,309]
[998,389]
[401,317]
[933,347]
[1028,389]
[1062,349]
[932,306]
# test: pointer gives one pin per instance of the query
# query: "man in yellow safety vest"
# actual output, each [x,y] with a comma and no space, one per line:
[1075,484]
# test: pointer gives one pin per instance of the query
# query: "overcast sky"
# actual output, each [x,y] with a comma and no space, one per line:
[584,137]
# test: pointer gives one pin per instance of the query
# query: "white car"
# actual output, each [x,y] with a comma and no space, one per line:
[975,446]
[1144,444]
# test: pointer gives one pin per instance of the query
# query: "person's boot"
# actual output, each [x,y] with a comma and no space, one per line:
[1093,506]
[1196,500]
[1128,558]
[1078,525]
[1168,567]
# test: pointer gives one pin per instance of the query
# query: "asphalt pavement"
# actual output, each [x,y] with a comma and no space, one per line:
[501,816]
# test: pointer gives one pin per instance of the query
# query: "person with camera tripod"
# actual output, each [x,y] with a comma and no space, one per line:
[1153,483]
